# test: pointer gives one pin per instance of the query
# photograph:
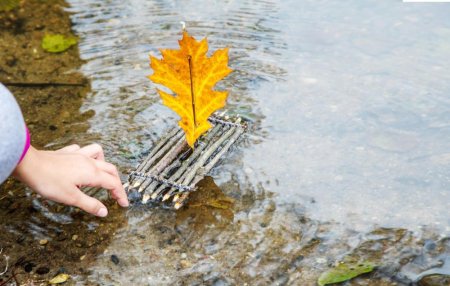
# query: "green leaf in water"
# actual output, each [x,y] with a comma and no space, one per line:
[345,271]
[58,43]
[8,5]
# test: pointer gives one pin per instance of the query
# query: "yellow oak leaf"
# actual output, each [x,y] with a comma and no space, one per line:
[191,76]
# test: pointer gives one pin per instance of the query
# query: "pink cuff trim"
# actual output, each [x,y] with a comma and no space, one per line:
[27,144]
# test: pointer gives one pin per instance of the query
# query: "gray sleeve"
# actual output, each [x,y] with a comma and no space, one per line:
[12,133]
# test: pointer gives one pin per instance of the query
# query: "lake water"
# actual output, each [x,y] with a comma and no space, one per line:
[349,152]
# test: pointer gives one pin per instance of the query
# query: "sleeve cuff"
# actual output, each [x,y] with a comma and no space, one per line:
[27,144]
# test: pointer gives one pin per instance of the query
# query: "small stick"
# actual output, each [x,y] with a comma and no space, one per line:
[192,90]
[43,84]
[13,271]
[177,177]
[170,144]
[205,169]
[219,155]
[194,176]
[171,155]
[196,166]
[158,168]
[163,150]
[6,258]
[142,167]
[181,200]
[146,163]
[164,161]
[206,155]
[175,164]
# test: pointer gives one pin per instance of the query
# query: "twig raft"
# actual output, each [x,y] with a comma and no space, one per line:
[172,170]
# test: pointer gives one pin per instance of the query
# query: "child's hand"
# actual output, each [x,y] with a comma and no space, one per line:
[57,175]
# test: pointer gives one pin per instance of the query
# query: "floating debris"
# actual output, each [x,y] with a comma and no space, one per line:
[172,169]
[58,43]
[345,271]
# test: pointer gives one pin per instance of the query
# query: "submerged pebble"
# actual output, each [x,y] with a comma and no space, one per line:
[115,259]
[42,270]
[29,267]
[185,264]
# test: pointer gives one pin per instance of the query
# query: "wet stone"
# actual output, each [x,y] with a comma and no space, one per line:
[281,279]
[185,264]
[429,245]
[20,239]
[435,280]
[270,206]
[61,270]
[42,270]
[115,259]
[60,236]
[20,261]
[220,282]
[297,261]
[11,61]
[28,267]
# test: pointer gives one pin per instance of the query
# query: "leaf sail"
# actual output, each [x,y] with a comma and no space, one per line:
[191,75]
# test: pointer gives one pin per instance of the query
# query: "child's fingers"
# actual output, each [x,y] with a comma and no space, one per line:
[90,204]
[112,183]
[68,149]
[107,167]
[94,151]
[117,193]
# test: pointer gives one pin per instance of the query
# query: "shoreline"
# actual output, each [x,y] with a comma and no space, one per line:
[42,238]
[24,62]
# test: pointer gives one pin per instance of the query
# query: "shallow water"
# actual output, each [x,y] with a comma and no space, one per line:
[349,154]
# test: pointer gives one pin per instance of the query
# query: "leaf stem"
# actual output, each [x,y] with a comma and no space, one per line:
[192,90]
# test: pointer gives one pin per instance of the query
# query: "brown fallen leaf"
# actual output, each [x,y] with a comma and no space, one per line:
[191,75]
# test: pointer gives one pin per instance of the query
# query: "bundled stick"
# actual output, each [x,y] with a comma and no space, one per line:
[171,171]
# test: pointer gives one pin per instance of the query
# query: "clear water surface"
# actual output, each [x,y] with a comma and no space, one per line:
[349,155]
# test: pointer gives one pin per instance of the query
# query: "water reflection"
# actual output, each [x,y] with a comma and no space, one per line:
[208,208]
